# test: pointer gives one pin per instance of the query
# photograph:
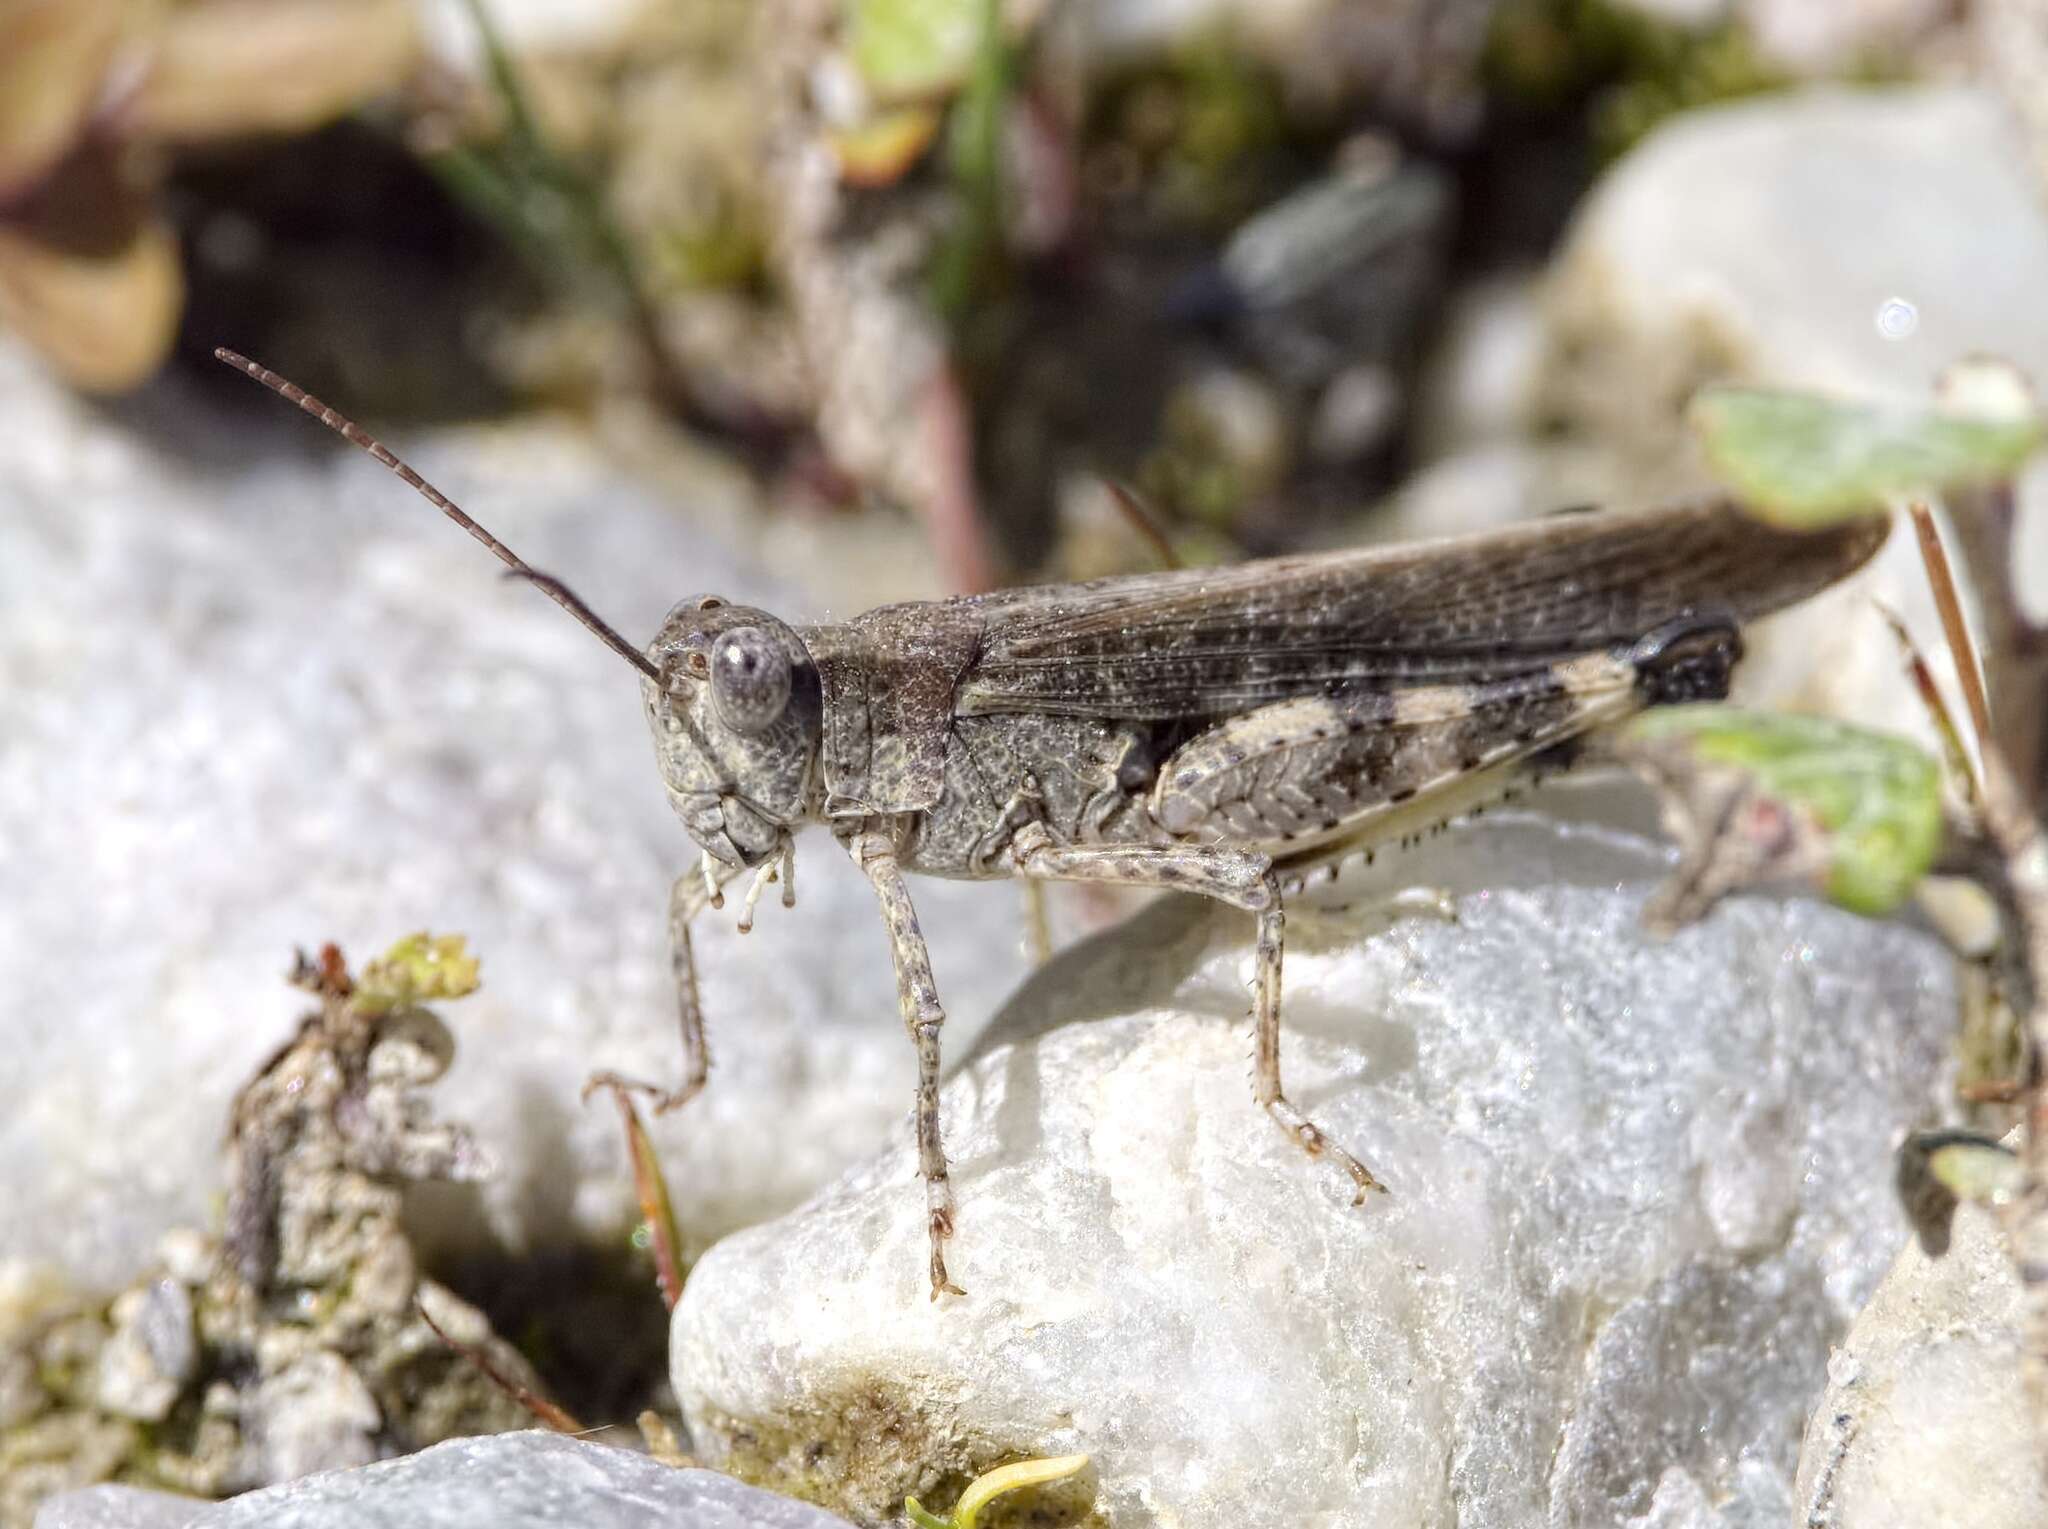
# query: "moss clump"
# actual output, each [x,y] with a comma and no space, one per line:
[861,1447]
[1629,69]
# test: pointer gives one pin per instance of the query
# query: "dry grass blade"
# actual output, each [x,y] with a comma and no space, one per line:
[545,1411]
[657,1211]
[1954,755]
[1143,521]
[1969,664]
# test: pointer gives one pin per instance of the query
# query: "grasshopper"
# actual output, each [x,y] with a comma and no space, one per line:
[1225,732]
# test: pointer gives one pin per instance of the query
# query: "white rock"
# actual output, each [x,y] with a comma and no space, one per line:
[117,1507]
[255,694]
[1926,1418]
[1765,238]
[507,1481]
[1784,241]
[1638,1189]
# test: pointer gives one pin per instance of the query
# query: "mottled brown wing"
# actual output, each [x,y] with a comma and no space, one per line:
[1209,642]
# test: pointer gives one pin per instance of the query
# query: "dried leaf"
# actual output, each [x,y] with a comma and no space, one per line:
[53,64]
[881,150]
[225,68]
[657,1209]
[1755,798]
[1800,460]
[98,295]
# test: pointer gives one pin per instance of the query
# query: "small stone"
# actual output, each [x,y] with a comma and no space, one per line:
[152,1353]
[313,1414]
[188,1255]
[1355,414]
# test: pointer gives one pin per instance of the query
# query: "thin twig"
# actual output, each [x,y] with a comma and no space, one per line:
[552,1416]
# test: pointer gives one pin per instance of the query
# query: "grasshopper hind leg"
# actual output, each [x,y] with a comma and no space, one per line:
[1243,878]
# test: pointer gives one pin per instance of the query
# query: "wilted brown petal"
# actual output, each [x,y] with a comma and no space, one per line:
[53,62]
[223,68]
[91,278]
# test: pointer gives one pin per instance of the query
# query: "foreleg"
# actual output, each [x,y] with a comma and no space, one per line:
[691,893]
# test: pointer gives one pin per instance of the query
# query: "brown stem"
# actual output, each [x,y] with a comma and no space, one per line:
[2015,651]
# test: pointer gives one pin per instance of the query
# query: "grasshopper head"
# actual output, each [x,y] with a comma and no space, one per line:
[731,693]
[735,719]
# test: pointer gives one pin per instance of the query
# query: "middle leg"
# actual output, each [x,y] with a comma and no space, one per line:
[1244,879]
[873,847]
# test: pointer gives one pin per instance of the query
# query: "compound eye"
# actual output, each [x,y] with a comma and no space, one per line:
[749,679]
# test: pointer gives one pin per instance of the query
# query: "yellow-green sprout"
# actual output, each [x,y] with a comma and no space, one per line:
[419,968]
[985,1489]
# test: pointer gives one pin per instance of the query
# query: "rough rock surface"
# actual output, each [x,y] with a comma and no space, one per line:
[256,695]
[1925,1417]
[529,1480]
[117,1507]
[1638,1190]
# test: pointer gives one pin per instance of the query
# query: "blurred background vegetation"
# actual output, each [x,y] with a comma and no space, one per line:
[962,260]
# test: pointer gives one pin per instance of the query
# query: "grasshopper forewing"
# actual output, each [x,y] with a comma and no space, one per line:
[1214,731]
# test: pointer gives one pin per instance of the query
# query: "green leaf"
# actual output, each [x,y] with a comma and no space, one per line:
[1801,460]
[1756,796]
[913,50]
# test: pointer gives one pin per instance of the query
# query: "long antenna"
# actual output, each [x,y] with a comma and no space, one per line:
[348,430]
